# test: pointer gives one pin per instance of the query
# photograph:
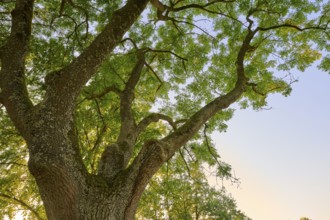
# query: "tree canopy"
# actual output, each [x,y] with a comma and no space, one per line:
[106,92]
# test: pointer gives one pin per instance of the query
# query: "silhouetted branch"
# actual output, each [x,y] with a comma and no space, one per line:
[154,117]
[185,162]
[22,203]
[290,26]
[107,90]
[166,51]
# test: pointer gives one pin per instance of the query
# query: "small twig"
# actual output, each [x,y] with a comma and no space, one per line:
[156,75]
[166,51]
[87,138]
[154,117]
[130,40]
[191,157]
[22,203]
[185,162]
[13,163]
[99,111]
[107,90]
[97,144]
[255,85]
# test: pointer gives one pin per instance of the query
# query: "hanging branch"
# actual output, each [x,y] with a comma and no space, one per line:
[155,74]
[126,99]
[87,138]
[185,162]
[116,156]
[215,157]
[254,87]
[23,204]
[191,156]
[154,153]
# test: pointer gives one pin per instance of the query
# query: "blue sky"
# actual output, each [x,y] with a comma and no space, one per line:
[282,155]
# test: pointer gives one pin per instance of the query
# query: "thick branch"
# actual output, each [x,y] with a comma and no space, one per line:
[116,156]
[67,83]
[186,131]
[12,80]
[156,152]
[160,6]
[128,125]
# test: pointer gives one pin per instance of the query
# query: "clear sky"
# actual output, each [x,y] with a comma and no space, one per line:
[282,155]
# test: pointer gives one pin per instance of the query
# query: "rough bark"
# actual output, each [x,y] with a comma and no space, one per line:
[67,189]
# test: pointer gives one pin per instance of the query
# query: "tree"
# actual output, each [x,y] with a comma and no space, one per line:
[102,94]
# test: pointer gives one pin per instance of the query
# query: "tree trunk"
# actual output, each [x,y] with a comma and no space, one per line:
[67,198]
[67,189]
[68,194]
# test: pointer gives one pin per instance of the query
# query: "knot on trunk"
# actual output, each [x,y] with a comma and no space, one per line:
[155,149]
[114,159]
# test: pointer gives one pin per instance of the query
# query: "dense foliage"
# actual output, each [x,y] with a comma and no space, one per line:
[190,52]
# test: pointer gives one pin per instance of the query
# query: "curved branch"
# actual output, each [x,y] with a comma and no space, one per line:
[22,203]
[12,76]
[185,162]
[79,8]
[189,128]
[107,90]
[154,117]
[128,125]
[254,87]
[160,6]
[132,41]
[167,51]
[66,84]
[289,26]
[155,74]
[223,171]
[197,6]
[154,153]
[164,10]
[115,157]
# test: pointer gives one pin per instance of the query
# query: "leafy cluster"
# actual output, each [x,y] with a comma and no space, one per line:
[18,191]
[175,193]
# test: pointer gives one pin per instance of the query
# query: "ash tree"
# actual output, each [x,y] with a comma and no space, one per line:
[98,95]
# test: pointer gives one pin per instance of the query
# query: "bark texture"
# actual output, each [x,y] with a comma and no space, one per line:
[67,189]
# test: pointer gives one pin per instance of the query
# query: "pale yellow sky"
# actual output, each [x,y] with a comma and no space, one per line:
[282,156]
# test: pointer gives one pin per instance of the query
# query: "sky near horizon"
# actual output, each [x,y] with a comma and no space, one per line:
[282,155]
